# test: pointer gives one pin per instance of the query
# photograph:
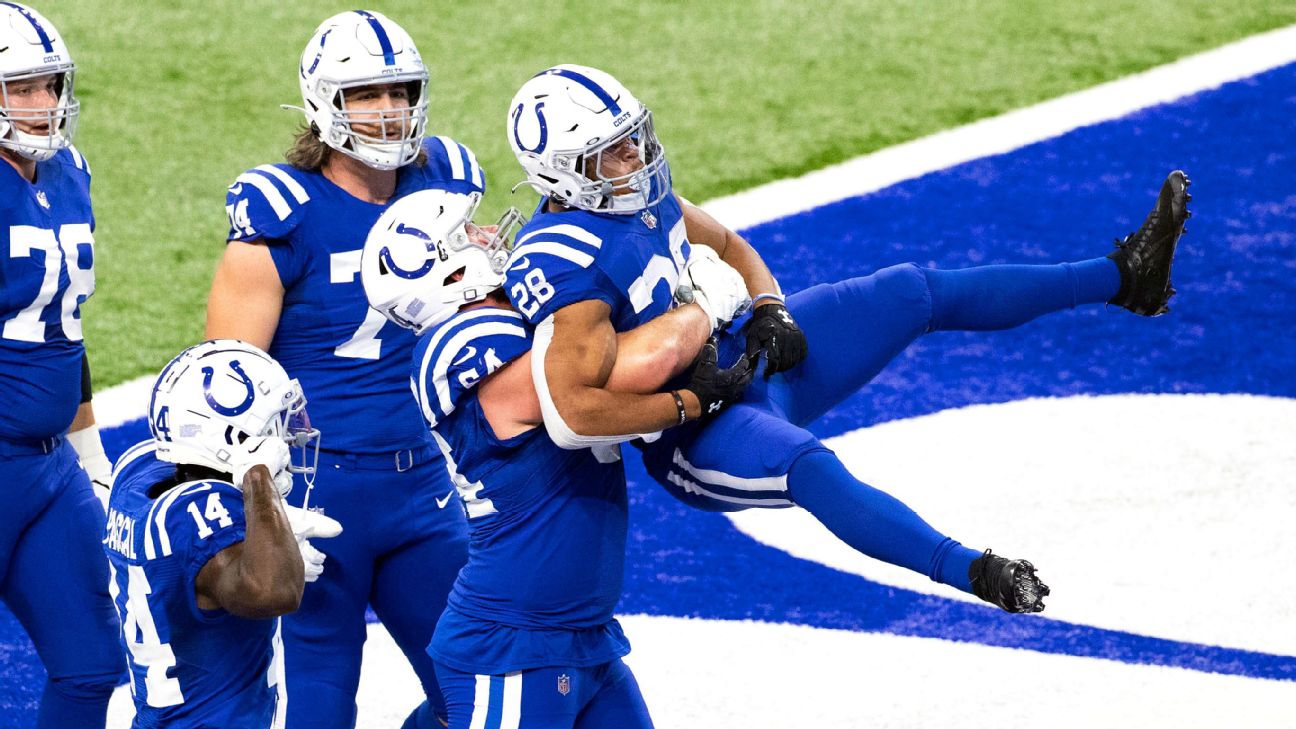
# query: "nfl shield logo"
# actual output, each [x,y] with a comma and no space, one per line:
[649,219]
[564,684]
[44,201]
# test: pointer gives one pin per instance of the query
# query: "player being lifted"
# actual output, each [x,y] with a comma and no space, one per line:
[528,638]
[51,522]
[204,557]
[288,282]
[604,250]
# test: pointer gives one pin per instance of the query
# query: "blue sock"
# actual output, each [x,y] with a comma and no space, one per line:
[875,523]
[1002,297]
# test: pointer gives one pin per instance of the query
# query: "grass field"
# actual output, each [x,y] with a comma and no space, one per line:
[179,98]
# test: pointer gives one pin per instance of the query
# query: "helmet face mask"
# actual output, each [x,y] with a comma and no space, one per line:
[425,258]
[563,125]
[215,395]
[34,50]
[352,51]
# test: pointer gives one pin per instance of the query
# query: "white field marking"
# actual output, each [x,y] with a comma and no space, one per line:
[1009,131]
[1163,515]
[872,172]
[776,676]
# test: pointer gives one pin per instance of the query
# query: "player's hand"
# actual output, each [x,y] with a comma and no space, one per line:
[772,330]
[713,285]
[307,525]
[263,450]
[717,388]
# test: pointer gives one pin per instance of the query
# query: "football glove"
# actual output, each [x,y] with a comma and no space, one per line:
[717,388]
[772,330]
[263,450]
[307,525]
[713,285]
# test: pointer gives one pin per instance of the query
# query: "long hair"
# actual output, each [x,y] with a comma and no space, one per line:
[309,153]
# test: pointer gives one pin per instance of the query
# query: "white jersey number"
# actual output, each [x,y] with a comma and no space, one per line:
[142,639]
[364,344]
[26,325]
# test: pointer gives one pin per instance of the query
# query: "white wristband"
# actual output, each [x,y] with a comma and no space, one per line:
[90,451]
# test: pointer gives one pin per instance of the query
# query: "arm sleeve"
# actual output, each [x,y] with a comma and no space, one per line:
[452,166]
[266,204]
[86,385]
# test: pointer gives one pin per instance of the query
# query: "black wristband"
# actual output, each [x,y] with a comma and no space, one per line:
[679,405]
[86,393]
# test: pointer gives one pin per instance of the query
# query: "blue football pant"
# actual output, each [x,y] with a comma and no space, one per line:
[758,454]
[54,577]
[399,551]
[602,697]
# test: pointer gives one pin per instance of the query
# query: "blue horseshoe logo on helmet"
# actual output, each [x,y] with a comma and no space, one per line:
[209,373]
[386,257]
[544,129]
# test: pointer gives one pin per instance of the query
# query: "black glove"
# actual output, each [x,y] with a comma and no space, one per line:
[715,388]
[771,329]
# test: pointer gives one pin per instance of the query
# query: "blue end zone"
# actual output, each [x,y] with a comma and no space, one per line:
[1059,200]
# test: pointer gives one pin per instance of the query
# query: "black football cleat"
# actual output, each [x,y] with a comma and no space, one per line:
[1010,584]
[1145,255]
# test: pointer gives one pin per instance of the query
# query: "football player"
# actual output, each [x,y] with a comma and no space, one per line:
[52,520]
[604,251]
[528,638]
[288,282]
[203,556]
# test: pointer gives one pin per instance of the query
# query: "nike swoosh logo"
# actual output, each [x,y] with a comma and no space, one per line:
[468,353]
[521,264]
[443,501]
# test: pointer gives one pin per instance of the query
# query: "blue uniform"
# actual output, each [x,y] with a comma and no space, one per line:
[379,474]
[190,667]
[51,521]
[528,638]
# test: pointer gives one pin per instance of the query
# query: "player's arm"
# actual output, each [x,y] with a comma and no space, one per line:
[262,576]
[572,360]
[772,329]
[83,434]
[646,359]
[246,295]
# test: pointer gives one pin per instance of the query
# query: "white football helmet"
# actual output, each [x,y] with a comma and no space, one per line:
[425,258]
[363,48]
[562,120]
[215,395]
[33,47]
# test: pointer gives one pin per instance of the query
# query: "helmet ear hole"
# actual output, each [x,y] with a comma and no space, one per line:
[456,275]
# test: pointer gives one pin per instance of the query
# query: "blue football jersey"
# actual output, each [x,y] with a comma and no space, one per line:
[631,262]
[189,667]
[547,526]
[46,271]
[328,338]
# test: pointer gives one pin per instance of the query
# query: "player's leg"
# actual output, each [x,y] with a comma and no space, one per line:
[618,703]
[545,698]
[855,327]
[324,639]
[57,587]
[428,543]
[749,457]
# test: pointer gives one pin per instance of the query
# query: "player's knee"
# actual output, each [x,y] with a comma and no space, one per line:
[84,689]
[903,290]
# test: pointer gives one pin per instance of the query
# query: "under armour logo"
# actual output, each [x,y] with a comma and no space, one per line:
[715,406]
[787,318]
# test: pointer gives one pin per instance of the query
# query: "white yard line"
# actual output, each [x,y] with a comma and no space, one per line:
[862,175]
[1004,133]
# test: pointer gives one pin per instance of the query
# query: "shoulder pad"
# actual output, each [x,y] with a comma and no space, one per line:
[454,163]
[265,202]
[555,265]
[463,351]
[172,524]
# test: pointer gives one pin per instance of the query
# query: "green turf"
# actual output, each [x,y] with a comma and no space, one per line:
[180,97]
